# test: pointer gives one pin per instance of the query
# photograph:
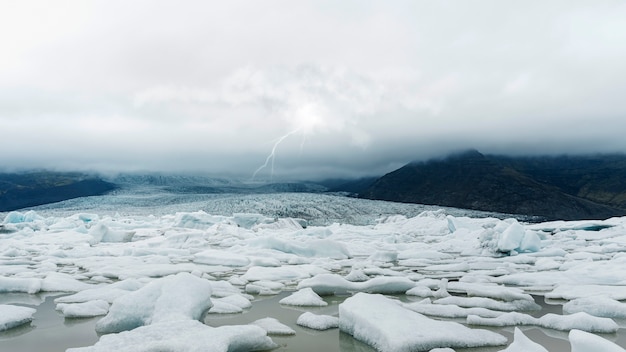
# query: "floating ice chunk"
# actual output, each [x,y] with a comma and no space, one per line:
[517,305]
[598,306]
[329,284]
[511,238]
[521,343]
[274,327]
[323,248]
[264,288]
[579,321]
[571,292]
[107,293]
[280,224]
[83,310]
[60,282]
[184,336]
[17,284]
[449,311]
[198,220]
[247,220]
[12,316]
[357,275]
[102,233]
[16,217]
[283,273]
[237,300]
[585,342]
[384,256]
[221,307]
[385,325]
[220,257]
[317,322]
[177,297]
[490,291]
[305,297]
[235,303]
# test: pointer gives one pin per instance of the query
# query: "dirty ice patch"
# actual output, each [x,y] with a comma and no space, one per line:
[12,316]
[177,297]
[385,325]
[184,336]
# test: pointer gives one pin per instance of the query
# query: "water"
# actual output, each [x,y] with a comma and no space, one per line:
[50,332]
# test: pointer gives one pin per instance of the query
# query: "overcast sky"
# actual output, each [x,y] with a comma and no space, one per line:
[334,88]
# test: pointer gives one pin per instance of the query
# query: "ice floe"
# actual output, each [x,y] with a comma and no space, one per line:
[304,297]
[178,297]
[273,327]
[12,316]
[184,336]
[317,321]
[385,325]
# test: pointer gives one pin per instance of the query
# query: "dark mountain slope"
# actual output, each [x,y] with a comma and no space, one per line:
[473,181]
[21,190]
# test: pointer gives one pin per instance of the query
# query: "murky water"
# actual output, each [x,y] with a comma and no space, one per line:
[50,332]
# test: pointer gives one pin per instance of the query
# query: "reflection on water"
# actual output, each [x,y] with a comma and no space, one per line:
[49,331]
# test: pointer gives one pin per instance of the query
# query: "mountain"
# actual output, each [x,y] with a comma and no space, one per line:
[21,190]
[565,188]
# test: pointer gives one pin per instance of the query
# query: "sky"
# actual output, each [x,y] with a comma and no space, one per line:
[305,89]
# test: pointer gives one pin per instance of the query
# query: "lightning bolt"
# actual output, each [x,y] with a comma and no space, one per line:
[272,156]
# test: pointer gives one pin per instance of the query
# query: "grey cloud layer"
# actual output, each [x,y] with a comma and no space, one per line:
[360,87]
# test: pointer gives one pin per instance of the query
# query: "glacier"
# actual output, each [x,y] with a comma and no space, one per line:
[153,269]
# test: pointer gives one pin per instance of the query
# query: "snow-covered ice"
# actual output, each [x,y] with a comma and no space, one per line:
[183,336]
[317,322]
[12,316]
[521,343]
[387,326]
[273,327]
[585,342]
[304,297]
[177,297]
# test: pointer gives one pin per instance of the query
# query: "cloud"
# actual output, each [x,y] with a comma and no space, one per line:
[358,87]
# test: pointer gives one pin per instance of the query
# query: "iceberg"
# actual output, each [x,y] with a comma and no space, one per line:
[184,336]
[317,322]
[273,326]
[386,326]
[177,297]
[12,316]
[305,297]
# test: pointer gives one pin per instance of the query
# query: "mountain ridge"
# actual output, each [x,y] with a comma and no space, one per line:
[532,186]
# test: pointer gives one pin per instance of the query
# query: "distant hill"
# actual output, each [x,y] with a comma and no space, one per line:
[22,190]
[568,188]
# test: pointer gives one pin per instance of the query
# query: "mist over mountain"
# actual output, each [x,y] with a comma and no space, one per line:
[565,187]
